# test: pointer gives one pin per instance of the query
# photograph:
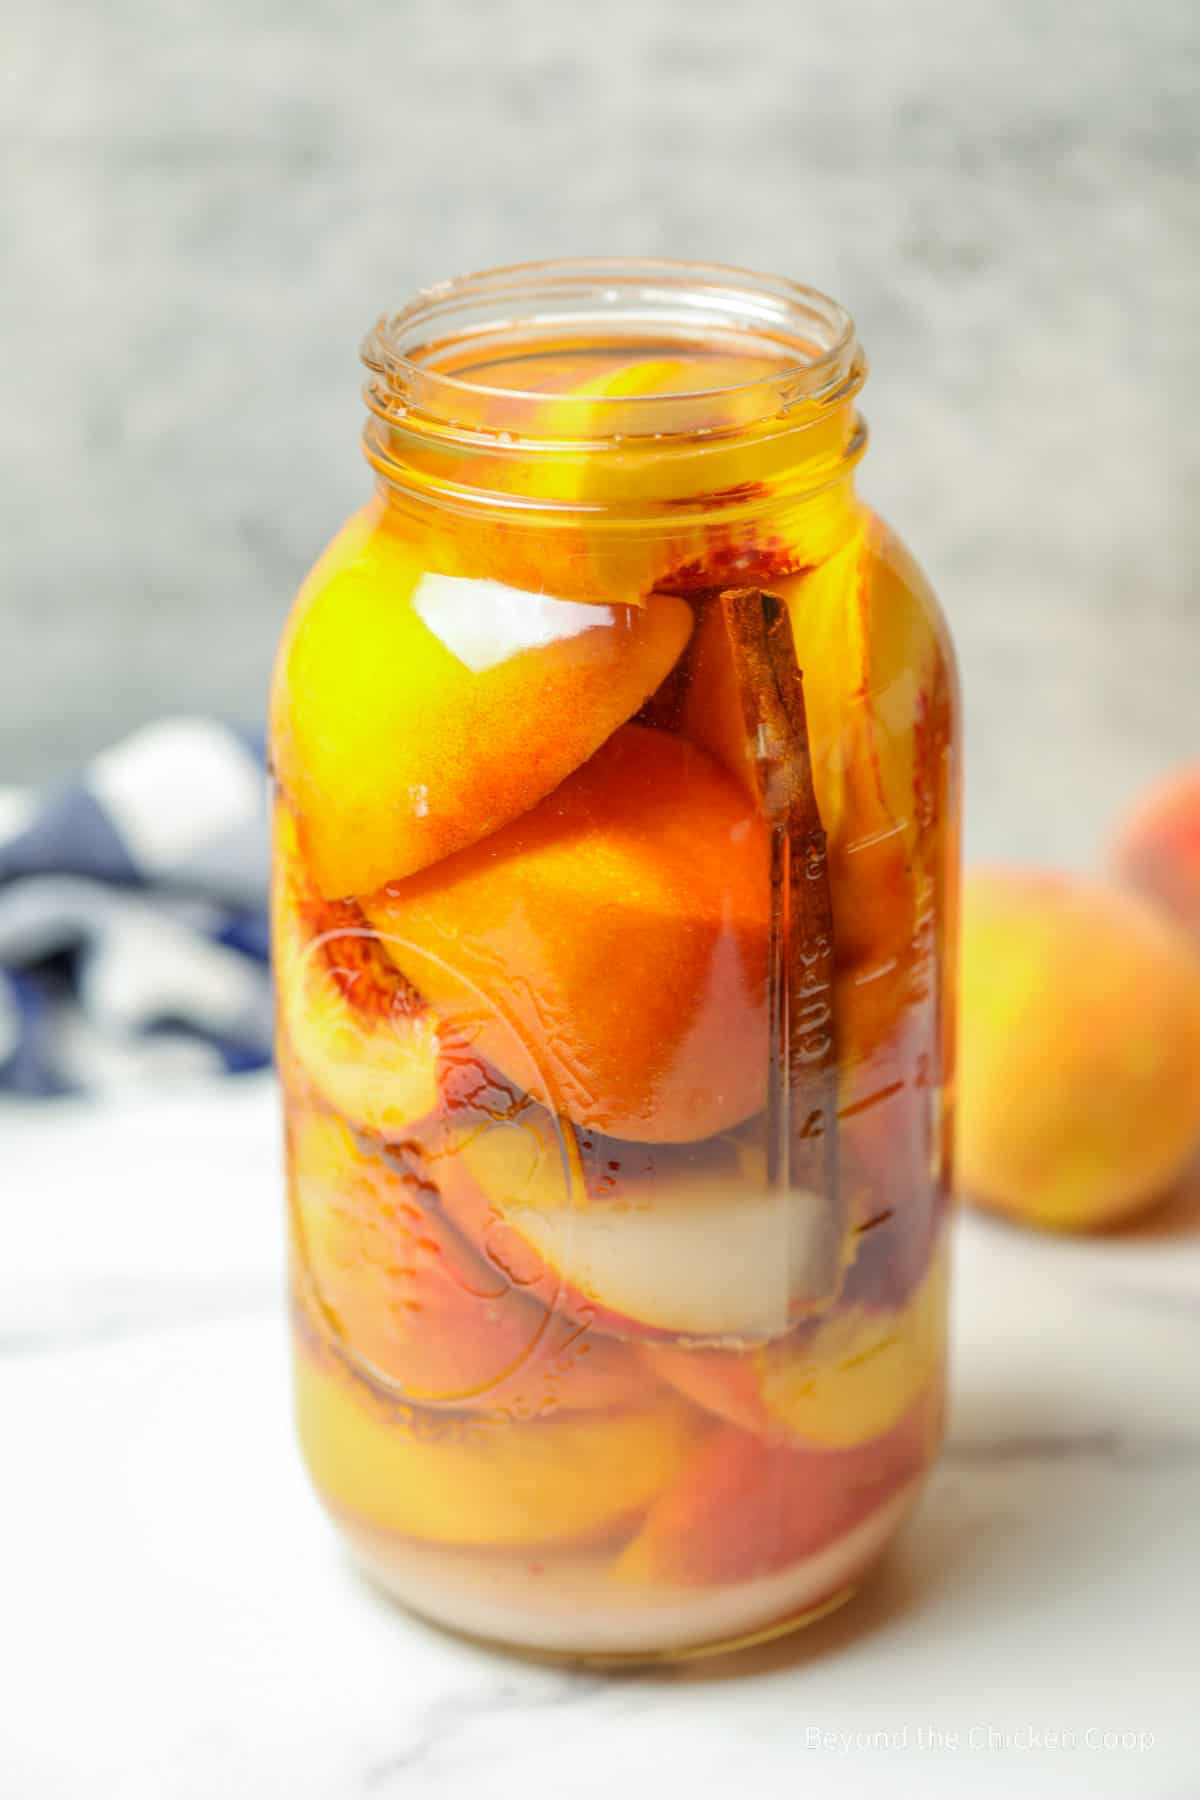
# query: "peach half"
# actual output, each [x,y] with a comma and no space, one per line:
[408,1300]
[607,951]
[458,1479]
[413,713]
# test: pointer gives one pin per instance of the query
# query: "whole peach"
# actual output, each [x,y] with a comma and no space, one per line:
[1157,848]
[1079,1074]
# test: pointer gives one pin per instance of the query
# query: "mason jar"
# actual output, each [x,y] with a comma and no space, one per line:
[614,744]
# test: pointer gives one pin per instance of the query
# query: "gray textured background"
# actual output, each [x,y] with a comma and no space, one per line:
[204,205]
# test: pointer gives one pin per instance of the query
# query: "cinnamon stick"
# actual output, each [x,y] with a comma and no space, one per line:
[802,1147]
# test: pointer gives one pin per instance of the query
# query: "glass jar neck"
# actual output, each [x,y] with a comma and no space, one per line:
[627,386]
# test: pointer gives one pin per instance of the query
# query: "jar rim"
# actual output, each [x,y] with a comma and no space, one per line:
[685,300]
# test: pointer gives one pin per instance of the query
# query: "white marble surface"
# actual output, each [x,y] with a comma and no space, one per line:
[178,1623]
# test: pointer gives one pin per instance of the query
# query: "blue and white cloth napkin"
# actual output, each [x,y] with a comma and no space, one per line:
[133,916]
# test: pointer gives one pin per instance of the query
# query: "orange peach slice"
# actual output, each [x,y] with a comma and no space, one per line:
[413,713]
[408,1300]
[837,1384]
[358,1031]
[645,1238]
[742,1508]
[608,950]
[455,1479]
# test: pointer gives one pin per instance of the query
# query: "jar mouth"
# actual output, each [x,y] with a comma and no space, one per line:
[429,361]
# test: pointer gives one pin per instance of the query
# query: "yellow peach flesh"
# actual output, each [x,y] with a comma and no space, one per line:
[413,713]
[478,1481]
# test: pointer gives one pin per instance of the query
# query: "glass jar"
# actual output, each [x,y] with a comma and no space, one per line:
[616,848]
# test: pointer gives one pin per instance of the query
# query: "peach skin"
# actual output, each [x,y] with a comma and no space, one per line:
[356,1028]
[413,713]
[1079,1049]
[607,951]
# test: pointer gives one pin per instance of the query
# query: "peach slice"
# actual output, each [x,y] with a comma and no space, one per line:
[879,685]
[412,713]
[607,951]
[742,1508]
[409,1301]
[590,468]
[645,1238]
[828,629]
[354,1025]
[679,464]
[458,1479]
[836,1384]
